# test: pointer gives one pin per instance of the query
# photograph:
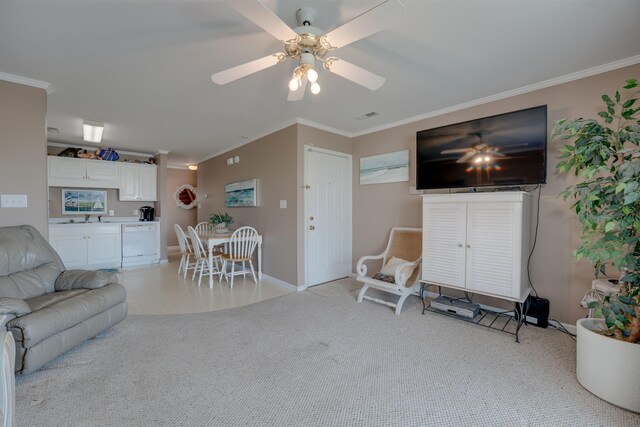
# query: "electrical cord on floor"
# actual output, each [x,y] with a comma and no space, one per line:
[558,326]
[535,240]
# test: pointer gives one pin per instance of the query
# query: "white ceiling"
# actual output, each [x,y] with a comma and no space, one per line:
[143,67]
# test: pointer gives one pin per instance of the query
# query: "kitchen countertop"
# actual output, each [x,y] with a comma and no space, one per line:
[105,220]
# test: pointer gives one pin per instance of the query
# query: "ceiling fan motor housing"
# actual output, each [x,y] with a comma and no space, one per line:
[306,16]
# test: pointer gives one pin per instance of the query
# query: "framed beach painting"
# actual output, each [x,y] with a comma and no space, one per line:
[241,194]
[390,167]
[79,202]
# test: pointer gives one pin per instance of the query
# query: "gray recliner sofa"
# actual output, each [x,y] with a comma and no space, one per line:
[48,309]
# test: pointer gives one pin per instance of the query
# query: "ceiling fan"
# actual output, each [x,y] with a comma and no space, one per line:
[307,44]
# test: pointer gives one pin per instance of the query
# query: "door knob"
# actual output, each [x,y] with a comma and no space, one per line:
[311,227]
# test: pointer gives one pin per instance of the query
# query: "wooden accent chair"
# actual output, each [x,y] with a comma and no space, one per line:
[401,264]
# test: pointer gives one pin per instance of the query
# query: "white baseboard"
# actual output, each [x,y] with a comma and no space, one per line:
[282,283]
[164,261]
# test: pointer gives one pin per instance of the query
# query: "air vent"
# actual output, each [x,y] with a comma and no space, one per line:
[52,130]
[367,115]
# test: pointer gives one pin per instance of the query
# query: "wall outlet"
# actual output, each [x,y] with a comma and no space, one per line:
[135,212]
[13,201]
[283,204]
[111,212]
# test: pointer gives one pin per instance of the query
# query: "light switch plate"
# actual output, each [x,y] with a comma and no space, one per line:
[111,212]
[13,201]
[283,204]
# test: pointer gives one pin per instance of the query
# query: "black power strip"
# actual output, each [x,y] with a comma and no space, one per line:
[536,312]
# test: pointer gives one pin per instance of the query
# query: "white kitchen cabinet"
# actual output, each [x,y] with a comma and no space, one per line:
[138,182]
[477,242]
[83,173]
[87,245]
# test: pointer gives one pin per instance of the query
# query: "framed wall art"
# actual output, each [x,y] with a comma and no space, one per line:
[84,202]
[241,194]
[390,167]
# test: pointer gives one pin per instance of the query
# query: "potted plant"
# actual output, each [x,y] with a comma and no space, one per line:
[221,222]
[605,156]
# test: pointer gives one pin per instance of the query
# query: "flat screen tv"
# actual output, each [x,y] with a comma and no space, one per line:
[499,151]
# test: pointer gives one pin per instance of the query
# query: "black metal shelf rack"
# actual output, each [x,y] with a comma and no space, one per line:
[509,322]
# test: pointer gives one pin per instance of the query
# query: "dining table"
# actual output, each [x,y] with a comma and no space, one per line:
[213,239]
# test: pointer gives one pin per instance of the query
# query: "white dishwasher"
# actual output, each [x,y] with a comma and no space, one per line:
[140,243]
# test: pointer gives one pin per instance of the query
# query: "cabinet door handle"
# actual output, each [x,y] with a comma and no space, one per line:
[459,245]
[468,246]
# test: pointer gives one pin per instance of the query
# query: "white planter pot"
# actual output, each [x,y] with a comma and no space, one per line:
[607,367]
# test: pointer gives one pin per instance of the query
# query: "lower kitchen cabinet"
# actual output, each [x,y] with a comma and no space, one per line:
[91,245]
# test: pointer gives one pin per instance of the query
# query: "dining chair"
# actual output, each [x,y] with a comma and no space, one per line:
[242,245]
[203,227]
[185,251]
[202,257]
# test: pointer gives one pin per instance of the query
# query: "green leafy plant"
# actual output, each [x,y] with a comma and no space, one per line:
[605,156]
[220,218]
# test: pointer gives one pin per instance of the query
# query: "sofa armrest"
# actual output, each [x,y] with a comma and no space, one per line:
[83,279]
[14,306]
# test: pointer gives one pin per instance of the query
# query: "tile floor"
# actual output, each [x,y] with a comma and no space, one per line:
[157,289]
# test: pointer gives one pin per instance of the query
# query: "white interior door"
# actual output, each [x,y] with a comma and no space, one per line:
[327,215]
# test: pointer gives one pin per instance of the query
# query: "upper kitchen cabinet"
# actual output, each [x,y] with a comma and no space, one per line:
[138,182]
[85,173]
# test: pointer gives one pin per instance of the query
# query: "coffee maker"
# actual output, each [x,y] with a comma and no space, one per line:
[147,213]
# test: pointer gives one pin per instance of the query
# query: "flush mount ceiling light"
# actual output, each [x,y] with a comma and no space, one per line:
[307,44]
[92,131]
[192,166]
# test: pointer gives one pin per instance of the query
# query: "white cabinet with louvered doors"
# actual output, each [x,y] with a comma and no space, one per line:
[477,242]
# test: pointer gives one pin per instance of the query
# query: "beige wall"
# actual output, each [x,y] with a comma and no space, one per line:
[23,153]
[173,213]
[272,160]
[555,273]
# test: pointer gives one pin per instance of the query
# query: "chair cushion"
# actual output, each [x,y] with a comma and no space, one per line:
[385,278]
[390,267]
[38,303]
[61,315]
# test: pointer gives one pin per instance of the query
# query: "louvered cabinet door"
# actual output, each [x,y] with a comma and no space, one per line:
[494,242]
[443,238]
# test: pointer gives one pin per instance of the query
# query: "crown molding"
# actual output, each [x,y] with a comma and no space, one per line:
[26,81]
[510,93]
[320,126]
[159,152]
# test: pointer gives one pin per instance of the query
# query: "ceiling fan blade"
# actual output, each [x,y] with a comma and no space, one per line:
[466,157]
[495,153]
[354,73]
[297,95]
[262,16]
[455,150]
[239,71]
[370,22]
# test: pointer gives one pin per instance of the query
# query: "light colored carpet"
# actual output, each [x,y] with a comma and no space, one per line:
[313,358]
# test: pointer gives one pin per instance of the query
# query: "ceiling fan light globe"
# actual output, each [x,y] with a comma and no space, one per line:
[294,84]
[312,75]
[315,88]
